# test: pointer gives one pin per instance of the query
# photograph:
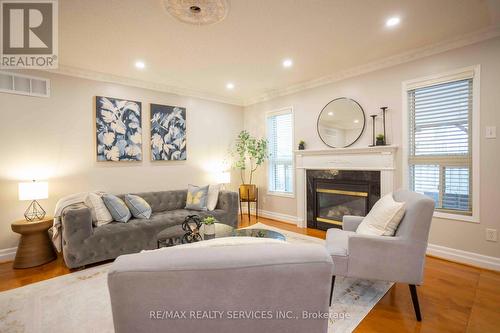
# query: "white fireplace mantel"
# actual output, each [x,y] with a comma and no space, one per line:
[378,158]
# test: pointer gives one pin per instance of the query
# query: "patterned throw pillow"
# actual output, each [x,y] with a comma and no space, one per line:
[138,206]
[117,208]
[197,197]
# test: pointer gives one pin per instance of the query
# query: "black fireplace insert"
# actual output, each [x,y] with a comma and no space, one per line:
[331,194]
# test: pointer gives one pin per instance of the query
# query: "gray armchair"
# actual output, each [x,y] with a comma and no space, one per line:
[397,259]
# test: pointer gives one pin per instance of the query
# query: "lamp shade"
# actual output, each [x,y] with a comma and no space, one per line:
[33,190]
[224,177]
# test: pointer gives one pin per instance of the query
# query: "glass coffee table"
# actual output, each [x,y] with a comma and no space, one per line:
[175,235]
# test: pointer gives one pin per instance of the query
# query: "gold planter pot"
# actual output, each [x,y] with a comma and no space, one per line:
[248,192]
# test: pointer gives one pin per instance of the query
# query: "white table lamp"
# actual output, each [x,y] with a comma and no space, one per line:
[34,191]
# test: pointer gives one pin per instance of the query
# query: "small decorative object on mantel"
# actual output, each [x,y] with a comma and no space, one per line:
[191,226]
[209,227]
[380,140]
[302,145]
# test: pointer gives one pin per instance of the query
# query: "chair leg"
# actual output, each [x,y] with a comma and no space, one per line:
[414,298]
[331,290]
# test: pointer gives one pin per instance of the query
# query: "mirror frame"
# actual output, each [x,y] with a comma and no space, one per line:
[362,130]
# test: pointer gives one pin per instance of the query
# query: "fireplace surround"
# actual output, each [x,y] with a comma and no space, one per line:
[331,194]
[375,161]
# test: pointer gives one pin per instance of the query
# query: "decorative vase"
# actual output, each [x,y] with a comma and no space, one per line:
[380,142]
[302,146]
[248,191]
[209,231]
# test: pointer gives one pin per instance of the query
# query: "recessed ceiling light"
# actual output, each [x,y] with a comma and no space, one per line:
[287,63]
[330,113]
[140,64]
[230,86]
[356,121]
[393,21]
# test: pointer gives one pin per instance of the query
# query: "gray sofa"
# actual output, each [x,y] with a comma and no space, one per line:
[263,280]
[83,244]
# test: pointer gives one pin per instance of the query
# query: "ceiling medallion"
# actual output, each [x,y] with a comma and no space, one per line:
[198,12]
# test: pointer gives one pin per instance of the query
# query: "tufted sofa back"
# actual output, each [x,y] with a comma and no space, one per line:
[164,200]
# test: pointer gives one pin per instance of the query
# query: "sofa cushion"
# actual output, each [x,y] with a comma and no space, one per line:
[117,208]
[138,206]
[197,197]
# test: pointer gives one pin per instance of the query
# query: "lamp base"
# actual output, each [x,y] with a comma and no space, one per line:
[34,212]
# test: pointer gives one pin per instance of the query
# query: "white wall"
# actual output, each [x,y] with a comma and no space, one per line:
[384,88]
[54,139]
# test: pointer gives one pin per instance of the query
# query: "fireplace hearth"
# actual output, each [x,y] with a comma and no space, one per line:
[331,194]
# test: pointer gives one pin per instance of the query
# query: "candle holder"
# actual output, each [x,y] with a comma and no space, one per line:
[373,116]
[384,109]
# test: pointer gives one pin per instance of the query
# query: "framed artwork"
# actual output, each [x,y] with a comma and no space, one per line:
[168,133]
[118,129]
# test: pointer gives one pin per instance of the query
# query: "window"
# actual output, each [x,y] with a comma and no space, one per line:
[280,162]
[440,142]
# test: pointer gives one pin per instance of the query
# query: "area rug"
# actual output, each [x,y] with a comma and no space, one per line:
[79,302]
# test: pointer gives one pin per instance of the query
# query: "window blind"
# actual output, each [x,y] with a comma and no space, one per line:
[440,158]
[280,162]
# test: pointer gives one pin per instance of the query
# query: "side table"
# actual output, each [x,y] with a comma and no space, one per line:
[35,247]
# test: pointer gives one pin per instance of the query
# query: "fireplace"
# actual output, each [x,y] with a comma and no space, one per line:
[331,194]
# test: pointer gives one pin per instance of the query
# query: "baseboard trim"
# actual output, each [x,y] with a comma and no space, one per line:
[274,216]
[7,254]
[464,257]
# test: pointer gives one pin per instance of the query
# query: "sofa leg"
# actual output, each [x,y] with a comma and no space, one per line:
[331,290]
[414,298]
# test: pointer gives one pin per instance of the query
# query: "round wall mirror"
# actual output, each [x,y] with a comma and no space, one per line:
[341,123]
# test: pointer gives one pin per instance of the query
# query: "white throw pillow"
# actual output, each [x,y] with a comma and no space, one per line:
[100,214]
[383,219]
[213,196]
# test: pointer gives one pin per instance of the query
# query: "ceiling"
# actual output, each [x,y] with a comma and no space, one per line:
[322,37]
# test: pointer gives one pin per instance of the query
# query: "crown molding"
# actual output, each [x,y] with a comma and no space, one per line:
[422,52]
[110,78]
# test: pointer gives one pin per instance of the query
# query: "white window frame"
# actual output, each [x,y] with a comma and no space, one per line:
[450,76]
[285,110]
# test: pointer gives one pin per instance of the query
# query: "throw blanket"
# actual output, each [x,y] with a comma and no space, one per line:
[60,206]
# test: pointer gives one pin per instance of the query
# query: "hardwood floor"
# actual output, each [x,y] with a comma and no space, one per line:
[453,298]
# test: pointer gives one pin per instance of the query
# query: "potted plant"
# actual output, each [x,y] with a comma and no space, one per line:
[380,140]
[250,153]
[209,227]
[302,145]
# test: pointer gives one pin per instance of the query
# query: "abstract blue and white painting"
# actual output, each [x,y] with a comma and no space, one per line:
[168,133]
[118,129]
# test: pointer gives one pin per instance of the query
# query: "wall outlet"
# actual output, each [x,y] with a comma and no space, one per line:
[491,132]
[491,235]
